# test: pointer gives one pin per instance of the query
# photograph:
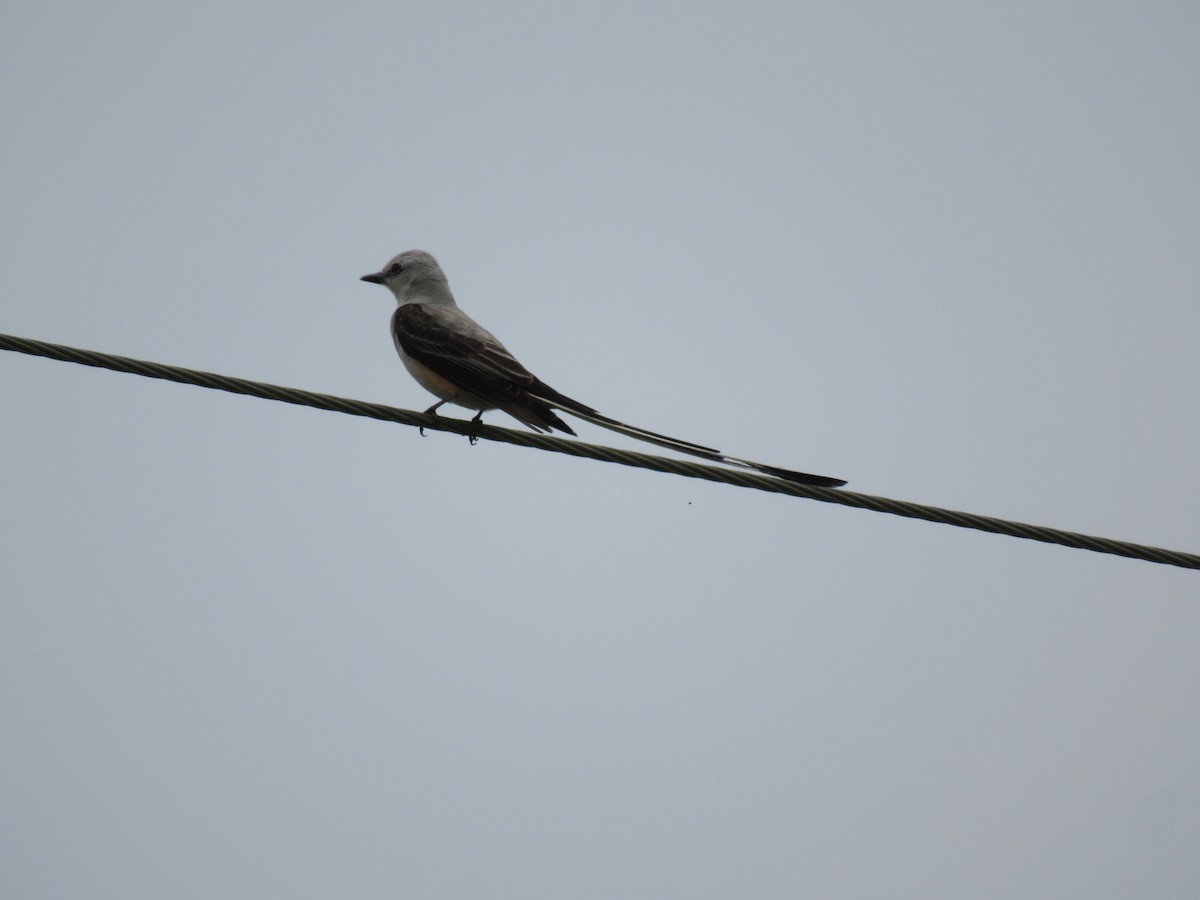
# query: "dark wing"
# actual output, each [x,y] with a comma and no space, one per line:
[459,350]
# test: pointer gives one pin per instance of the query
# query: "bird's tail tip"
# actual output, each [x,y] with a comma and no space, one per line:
[802,477]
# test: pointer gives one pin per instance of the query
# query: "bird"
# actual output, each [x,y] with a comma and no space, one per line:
[459,361]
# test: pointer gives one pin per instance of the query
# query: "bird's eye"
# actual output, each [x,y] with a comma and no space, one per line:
[395,269]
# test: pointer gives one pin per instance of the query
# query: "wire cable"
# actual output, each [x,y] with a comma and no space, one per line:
[594,451]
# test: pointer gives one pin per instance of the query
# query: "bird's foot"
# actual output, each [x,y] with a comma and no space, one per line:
[432,413]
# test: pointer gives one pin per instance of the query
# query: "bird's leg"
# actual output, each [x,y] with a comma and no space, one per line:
[432,411]
[476,421]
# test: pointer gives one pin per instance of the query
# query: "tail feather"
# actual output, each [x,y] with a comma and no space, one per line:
[590,415]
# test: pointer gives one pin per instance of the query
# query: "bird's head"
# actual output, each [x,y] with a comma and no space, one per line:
[414,275]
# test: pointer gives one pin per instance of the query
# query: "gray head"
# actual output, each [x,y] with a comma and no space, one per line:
[414,275]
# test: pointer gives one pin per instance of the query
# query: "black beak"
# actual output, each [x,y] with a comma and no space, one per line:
[374,278]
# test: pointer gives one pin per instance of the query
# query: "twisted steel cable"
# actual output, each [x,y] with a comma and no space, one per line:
[594,451]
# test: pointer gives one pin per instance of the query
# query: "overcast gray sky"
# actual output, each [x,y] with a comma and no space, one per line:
[947,251]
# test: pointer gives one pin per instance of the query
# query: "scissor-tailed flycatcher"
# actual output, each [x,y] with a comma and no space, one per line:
[460,362]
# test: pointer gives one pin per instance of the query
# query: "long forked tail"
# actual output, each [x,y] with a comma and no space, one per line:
[588,414]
